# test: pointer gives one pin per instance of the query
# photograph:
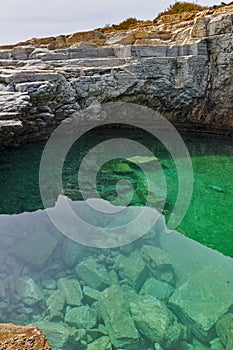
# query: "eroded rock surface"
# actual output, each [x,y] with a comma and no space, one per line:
[186,76]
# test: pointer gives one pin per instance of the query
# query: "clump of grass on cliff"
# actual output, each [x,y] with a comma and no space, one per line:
[180,7]
[126,24]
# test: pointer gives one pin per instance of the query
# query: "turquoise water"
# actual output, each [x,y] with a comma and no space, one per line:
[116,297]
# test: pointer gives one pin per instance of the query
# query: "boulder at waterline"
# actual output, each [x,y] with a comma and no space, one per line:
[157,289]
[28,290]
[58,334]
[224,328]
[103,343]
[93,274]
[82,317]
[71,290]
[202,301]
[120,325]
[156,322]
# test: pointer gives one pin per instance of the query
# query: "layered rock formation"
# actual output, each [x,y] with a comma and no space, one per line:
[187,76]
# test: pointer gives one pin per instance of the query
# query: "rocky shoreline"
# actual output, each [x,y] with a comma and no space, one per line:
[188,79]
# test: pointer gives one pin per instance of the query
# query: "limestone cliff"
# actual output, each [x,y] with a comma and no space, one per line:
[181,66]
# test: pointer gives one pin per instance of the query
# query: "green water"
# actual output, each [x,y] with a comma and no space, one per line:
[114,298]
[208,219]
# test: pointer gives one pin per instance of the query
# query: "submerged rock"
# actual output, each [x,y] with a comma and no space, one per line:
[82,317]
[73,252]
[29,291]
[18,337]
[158,263]
[202,301]
[71,290]
[157,289]
[56,301]
[120,325]
[216,344]
[103,343]
[156,322]
[224,328]
[58,334]
[93,274]
[134,270]
[35,248]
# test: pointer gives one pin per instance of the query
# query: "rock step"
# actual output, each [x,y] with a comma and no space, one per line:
[6,116]
[91,62]
[134,51]
[12,123]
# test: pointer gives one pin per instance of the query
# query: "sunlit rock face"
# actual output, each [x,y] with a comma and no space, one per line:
[184,72]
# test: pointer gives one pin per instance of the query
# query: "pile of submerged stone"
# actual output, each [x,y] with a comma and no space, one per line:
[124,298]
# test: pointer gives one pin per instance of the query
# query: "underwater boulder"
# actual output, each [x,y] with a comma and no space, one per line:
[156,322]
[202,301]
[120,325]
[82,317]
[224,328]
[29,291]
[71,290]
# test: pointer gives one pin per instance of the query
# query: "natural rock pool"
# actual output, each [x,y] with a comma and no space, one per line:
[162,291]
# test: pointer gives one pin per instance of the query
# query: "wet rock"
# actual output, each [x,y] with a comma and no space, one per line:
[224,328]
[134,270]
[103,343]
[202,301]
[93,274]
[71,290]
[158,263]
[58,334]
[157,289]
[18,337]
[120,325]
[82,317]
[156,322]
[29,291]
